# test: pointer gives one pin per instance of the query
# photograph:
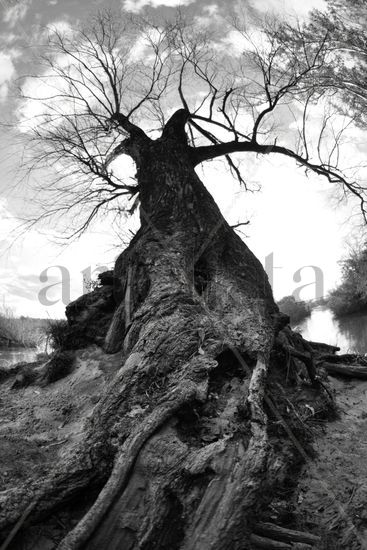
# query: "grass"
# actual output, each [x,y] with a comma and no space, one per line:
[64,337]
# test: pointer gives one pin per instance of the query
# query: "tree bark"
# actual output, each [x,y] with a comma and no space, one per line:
[178,444]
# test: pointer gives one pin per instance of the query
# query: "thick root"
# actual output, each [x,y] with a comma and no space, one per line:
[124,462]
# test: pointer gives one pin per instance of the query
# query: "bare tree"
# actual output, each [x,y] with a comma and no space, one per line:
[344,22]
[94,92]
[183,432]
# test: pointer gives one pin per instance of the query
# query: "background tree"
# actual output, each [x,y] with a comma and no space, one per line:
[344,24]
[181,446]
[297,310]
[351,295]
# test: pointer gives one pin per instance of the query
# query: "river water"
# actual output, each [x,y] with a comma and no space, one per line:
[10,356]
[348,333]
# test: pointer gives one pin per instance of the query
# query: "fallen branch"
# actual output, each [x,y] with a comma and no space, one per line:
[323,348]
[286,535]
[341,369]
[347,359]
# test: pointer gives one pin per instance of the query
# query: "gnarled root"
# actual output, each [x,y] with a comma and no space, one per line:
[124,461]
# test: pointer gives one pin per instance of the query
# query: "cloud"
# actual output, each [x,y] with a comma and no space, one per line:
[15,14]
[7,72]
[288,7]
[61,26]
[137,5]
[211,10]
[7,221]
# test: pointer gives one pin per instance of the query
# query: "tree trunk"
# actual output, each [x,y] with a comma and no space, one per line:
[179,446]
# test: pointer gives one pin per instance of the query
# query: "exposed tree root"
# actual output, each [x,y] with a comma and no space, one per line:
[222,516]
[125,460]
[224,504]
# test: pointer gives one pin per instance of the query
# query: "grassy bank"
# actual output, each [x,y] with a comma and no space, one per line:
[21,331]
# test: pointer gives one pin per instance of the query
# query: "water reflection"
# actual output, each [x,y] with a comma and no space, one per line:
[348,333]
[10,356]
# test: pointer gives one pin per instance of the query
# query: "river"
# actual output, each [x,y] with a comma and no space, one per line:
[10,356]
[348,333]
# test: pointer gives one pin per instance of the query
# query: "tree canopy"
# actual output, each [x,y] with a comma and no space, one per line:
[344,25]
[239,89]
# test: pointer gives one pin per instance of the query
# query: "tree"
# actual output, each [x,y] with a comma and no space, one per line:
[181,447]
[351,295]
[343,22]
[297,310]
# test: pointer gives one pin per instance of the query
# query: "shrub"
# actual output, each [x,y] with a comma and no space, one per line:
[297,311]
[345,300]
[57,332]
[351,295]
[59,366]
[63,336]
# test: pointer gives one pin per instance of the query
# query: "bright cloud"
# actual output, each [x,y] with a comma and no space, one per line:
[45,95]
[211,10]
[289,7]
[7,71]
[23,262]
[61,26]
[137,5]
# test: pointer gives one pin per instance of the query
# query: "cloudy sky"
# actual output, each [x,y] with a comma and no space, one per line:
[295,220]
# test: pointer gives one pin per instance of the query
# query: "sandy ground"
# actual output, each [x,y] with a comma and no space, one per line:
[38,424]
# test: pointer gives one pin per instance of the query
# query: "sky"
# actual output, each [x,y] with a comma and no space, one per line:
[295,221]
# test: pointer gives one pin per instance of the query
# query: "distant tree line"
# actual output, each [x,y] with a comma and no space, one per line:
[351,295]
[20,331]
